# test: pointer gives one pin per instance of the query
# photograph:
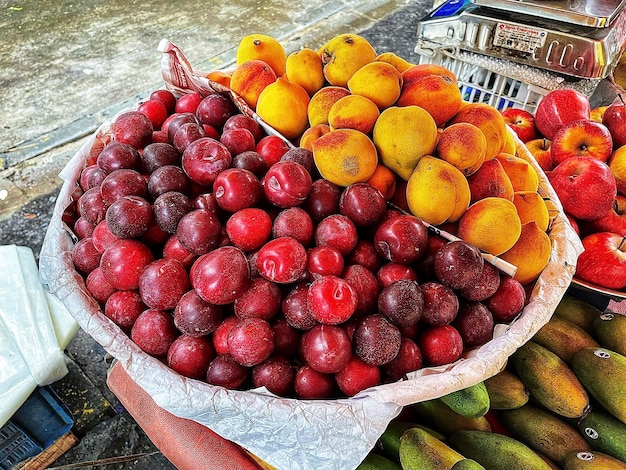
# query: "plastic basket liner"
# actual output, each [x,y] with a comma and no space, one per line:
[290,433]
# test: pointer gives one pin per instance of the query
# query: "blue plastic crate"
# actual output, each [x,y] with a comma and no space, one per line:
[15,446]
[37,424]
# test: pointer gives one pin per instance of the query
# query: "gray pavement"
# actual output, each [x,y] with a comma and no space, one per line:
[67,66]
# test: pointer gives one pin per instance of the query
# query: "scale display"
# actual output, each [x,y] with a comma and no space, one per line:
[592,13]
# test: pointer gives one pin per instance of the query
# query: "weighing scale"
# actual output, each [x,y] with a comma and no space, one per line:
[574,38]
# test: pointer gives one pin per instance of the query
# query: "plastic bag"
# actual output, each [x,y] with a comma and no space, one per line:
[34,330]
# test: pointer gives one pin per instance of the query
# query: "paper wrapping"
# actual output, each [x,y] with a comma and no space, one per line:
[290,433]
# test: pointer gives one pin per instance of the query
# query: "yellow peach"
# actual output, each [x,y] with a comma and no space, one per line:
[531,253]
[343,55]
[384,180]
[250,78]
[490,180]
[218,76]
[278,97]
[531,207]
[491,224]
[265,48]
[423,70]
[522,174]
[509,144]
[322,101]
[437,94]
[402,136]
[353,112]
[394,59]
[489,120]
[379,81]
[345,156]
[311,134]
[437,192]
[304,67]
[463,145]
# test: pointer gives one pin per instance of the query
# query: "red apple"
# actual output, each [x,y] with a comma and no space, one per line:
[558,108]
[585,186]
[574,223]
[604,261]
[522,122]
[614,221]
[540,149]
[583,138]
[614,118]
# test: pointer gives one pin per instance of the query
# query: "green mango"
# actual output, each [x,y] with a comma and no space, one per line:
[603,373]
[592,461]
[610,329]
[550,380]
[471,402]
[506,391]
[544,432]
[604,433]
[496,451]
[420,450]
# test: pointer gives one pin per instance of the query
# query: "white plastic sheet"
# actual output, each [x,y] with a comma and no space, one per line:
[35,327]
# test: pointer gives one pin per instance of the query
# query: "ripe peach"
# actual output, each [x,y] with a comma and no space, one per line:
[262,47]
[379,81]
[345,157]
[313,133]
[278,97]
[218,76]
[304,67]
[437,192]
[521,173]
[509,144]
[322,101]
[353,112]
[463,145]
[489,120]
[490,180]
[491,224]
[394,59]
[437,94]
[384,180]
[532,208]
[402,136]
[418,71]
[343,55]
[531,253]
[250,78]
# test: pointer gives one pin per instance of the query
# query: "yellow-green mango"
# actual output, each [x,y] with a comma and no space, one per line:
[603,373]
[550,380]
[544,431]
[506,391]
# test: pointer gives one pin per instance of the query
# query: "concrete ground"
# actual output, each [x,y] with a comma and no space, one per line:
[67,66]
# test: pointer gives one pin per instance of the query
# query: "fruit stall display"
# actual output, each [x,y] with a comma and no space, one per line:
[293,251]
